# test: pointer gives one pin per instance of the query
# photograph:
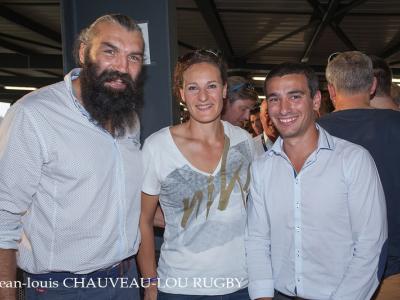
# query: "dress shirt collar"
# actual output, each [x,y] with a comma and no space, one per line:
[325,141]
[266,138]
[74,74]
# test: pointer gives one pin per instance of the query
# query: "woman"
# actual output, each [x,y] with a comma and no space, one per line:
[199,172]
[241,99]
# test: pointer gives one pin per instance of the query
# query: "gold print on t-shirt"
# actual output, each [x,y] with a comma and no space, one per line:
[188,207]
[225,193]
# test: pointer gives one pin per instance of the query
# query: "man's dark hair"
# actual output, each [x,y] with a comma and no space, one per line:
[288,68]
[255,110]
[383,75]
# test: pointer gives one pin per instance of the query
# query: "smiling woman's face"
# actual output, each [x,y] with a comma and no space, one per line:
[203,92]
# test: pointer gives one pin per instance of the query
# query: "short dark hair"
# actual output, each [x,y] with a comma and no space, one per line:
[288,68]
[255,110]
[86,34]
[196,57]
[383,75]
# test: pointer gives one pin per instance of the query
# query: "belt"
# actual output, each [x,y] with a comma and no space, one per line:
[118,270]
[289,297]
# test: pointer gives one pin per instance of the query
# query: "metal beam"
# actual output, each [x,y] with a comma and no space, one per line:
[278,40]
[267,67]
[28,81]
[343,11]
[393,63]
[250,11]
[11,72]
[326,19]
[34,26]
[290,13]
[334,24]
[343,37]
[391,51]
[185,45]
[47,72]
[15,47]
[259,68]
[35,61]
[209,12]
[12,37]
[55,3]
[339,14]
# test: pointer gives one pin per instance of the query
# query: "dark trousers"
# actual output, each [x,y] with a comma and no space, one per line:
[112,284]
[279,296]
[242,294]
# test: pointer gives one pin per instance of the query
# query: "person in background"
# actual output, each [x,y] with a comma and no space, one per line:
[240,100]
[382,98]
[199,172]
[264,141]
[351,83]
[71,173]
[316,209]
[255,121]
[395,93]
[326,104]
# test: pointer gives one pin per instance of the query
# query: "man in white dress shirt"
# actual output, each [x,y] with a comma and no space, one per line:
[316,211]
[71,174]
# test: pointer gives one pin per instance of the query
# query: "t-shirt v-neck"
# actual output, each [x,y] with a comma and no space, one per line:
[183,157]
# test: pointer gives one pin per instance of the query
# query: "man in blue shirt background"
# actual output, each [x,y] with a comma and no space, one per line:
[351,85]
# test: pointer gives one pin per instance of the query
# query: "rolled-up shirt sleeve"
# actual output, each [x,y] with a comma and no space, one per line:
[367,209]
[257,242]
[21,160]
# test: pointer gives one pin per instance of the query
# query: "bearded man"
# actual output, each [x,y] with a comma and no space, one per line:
[71,170]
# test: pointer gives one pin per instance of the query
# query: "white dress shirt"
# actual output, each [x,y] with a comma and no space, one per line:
[317,235]
[259,144]
[69,191]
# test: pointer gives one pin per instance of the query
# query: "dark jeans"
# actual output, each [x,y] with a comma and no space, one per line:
[118,288]
[242,294]
[280,296]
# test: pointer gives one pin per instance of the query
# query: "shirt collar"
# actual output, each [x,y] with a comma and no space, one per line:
[325,141]
[266,138]
[74,74]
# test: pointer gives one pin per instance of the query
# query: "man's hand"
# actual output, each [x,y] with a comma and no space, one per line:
[8,272]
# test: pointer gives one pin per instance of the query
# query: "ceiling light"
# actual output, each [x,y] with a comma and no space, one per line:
[259,78]
[261,97]
[396,80]
[20,88]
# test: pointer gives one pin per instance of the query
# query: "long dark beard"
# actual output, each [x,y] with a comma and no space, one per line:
[114,110]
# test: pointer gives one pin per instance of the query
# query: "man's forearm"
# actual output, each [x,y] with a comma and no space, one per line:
[8,272]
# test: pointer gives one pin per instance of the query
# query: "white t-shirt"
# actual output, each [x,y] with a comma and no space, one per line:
[203,251]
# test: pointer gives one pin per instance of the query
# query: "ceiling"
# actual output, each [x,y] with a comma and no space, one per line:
[254,35]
